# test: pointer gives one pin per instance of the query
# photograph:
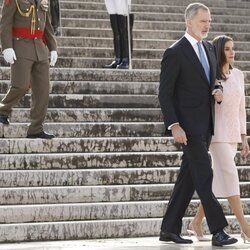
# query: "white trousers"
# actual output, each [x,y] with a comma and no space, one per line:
[119,7]
[225,180]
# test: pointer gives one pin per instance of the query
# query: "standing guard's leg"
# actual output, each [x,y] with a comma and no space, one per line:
[123,29]
[55,16]
[117,42]
[131,23]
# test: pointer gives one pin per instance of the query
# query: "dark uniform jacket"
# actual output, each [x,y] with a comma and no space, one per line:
[26,27]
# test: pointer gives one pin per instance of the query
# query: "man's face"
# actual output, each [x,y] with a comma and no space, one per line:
[198,26]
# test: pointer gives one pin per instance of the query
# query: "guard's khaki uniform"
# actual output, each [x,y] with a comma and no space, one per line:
[26,27]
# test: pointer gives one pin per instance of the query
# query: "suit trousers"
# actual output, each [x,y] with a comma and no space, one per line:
[195,174]
[26,73]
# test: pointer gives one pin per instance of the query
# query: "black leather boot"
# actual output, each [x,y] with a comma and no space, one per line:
[125,60]
[117,43]
[124,64]
[122,25]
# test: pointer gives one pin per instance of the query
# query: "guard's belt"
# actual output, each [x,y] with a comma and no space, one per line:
[26,33]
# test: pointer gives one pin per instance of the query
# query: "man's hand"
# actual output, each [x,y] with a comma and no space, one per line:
[218,95]
[53,58]
[179,134]
[9,55]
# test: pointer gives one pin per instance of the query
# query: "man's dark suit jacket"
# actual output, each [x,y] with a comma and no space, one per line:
[184,92]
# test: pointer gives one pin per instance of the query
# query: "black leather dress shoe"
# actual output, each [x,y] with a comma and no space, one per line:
[222,239]
[41,135]
[124,64]
[4,119]
[113,64]
[165,236]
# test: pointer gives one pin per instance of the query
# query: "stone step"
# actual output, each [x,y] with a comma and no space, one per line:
[78,74]
[87,194]
[97,87]
[153,12]
[87,62]
[88,145]
[95,42]
[97,211]
[106,160]
[94,115]
[103,88]
[94,129]
[159,8]
[95,101]
[149,16]
[137,53]
[91,115]
[151,25]
[96,177]
[213,3]
[145,34]
[73,230]
[100,101]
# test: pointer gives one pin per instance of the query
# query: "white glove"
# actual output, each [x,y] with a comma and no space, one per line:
[53,58]
[9,55]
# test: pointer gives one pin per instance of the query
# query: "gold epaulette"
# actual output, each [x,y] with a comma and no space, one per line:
[30,12]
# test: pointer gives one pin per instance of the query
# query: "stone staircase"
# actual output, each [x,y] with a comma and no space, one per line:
[110,171]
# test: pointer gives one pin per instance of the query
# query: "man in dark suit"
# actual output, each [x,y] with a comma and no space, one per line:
[188,73]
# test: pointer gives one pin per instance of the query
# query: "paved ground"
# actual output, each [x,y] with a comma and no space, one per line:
[149,243]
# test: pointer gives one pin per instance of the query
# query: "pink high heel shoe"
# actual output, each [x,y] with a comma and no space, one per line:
[191,231]
[244,237]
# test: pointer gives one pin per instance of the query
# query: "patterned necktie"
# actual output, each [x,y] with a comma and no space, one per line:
[203,61]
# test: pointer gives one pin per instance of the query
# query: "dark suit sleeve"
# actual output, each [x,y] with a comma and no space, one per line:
[170,69]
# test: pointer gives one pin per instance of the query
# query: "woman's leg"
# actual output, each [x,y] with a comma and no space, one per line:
[196,224]
[235,204]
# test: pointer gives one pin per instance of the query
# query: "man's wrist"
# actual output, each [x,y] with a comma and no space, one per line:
[172,125]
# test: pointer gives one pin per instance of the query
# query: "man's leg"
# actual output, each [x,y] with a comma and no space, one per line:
[40,96]
[20,82]
[201,172]
[179,200]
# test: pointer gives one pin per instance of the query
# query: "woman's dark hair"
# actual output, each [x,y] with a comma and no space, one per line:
[219,44]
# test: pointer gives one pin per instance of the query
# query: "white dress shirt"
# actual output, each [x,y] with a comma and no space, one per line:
[194,42]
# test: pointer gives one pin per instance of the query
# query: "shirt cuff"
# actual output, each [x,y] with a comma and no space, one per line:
[169,127]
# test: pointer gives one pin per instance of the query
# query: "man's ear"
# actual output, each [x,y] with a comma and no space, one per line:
[188,23]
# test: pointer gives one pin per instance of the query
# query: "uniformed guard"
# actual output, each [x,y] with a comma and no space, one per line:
[118,11]
[27,37]
[55,16]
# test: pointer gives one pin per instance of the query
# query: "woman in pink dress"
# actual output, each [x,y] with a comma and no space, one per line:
[230,129]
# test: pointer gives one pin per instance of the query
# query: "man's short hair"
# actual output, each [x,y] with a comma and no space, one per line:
[193,8]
